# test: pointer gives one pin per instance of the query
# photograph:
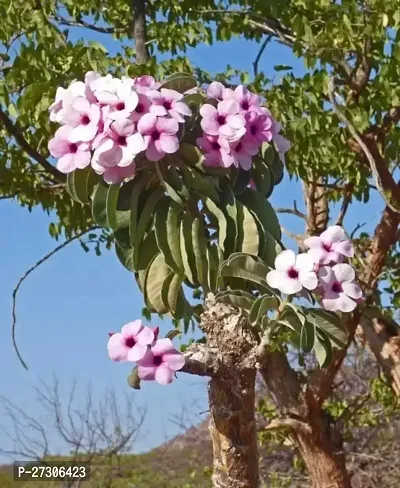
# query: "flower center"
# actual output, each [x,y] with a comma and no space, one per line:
[155,135]
[253,130]
[245,105]
[130,342]
[157,360]
[337,287]
[85,120]
[221,119]
[73,148]
[293,273]
[139,108]
[121,141]
[167,105]
[238,148]
[120,106]
[327,247]
[215,146]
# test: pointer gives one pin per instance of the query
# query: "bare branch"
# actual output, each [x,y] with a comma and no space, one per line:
[347,197]
[387,187]
[260,53]
[17,134]
[23,278]
[293,211]
[82,23]
[288,423]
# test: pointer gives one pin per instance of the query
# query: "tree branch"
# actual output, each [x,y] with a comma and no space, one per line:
[293,211]
[387,187]
[23,278]
[82,23]
[17,134]
[260,53]
[140,31]
[345,203]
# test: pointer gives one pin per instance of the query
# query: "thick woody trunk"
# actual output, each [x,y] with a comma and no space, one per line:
[231,396]
[319,444]
[233,431]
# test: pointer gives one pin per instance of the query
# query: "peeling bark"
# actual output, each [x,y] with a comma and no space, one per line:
[231,397]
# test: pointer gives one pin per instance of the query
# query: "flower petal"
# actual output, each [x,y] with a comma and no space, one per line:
[145,336]
[132,328]
[208,111]
[163,346]
[147,123]
[164,375]
[352,290]
[169,144]
[275,278]
[342,303]
[147,373]
[285,260]
[175,361]
[168,126]
[228,107]
[344,247]
[304,262]
[344,272]
[313,242]
[290,286]
[308,279]
[137,352]
[335,233]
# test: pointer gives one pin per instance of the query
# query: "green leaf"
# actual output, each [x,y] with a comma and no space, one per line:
[236,298]
[263,179]
[99,203]
[148,250]
[222,223]
[199,251]
[261,307]
[307,337]
[173,185]
[246,267]
[111,205]
[77,184]
[133,379]
[173,296]
[145,221]
[188,257]
[323,349]
[242,180]
[249,236]
[139,183]
[172,334]
[330,324]
[166,224]
[156,274]
[180,82]
[119,205]
[125,256]
[282,67]
[201,185]
[212,266]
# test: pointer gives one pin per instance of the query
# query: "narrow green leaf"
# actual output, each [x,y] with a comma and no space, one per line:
[249,238]
[180,82]
[330,324]
[222,223]
[138,185]
[166,224]
[323,349]
[125,256]
[236,298]
[148,250]
[261,307]
[99,210]
[77,184]
[199,251]
[156,274]
[307,337]
[188,257]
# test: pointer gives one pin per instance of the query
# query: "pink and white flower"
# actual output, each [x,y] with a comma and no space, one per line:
[330,246]
[168,102]
[339,290]
[258,127]
[145,83]
[248,101]
[159,134]
[224,120]
[120,98]
[292,273]
[117,174]
[160,363]
[242,152]
[282,144]
[71,155]
[216,151]
[84,118]
[132,343]
[142,108]
[119,147]
[218,91]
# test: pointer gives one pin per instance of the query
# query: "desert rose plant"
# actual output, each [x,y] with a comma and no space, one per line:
[182,175]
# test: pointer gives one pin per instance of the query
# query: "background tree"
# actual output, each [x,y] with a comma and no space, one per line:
[99,432]
[349,48]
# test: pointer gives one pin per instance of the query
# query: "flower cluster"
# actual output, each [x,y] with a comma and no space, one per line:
[107,121]
[156,359]
[235,129]
[320,269]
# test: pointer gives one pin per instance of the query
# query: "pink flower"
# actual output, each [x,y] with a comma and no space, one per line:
[216,151]
[159,136]
[242,152]
[224,120]
[120,145]
[145,83]
[132,343]
[168,102]
[119,97]
[219,91]
[64,99]
[330,246]
[71,155]
[84,118]
[248,101]
[56,106]
[161,362]
[258,127]
[292,273]
[340,292]
[142,107]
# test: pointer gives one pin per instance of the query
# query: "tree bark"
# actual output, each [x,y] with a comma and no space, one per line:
[231,396]
[233,431]
[320,445]
[140,31]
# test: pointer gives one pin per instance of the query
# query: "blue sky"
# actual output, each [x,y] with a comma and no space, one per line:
[68,305]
